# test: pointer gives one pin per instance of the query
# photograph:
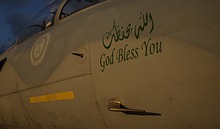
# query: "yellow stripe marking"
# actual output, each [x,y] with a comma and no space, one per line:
[68,95]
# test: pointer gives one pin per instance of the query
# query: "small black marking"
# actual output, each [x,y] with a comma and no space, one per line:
[2,63]
[78,54]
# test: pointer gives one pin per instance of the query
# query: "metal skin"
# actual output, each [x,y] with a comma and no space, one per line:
[88,69]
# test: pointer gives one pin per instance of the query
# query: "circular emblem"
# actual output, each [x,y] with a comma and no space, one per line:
[39,49]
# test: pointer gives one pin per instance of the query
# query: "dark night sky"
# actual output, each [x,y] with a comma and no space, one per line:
[14,15]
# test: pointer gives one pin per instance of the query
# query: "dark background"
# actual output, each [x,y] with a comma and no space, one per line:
[14,16]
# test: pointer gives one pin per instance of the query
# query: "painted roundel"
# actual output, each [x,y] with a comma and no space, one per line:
[39,49]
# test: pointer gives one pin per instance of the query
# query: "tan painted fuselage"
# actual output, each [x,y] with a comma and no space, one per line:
[120,64]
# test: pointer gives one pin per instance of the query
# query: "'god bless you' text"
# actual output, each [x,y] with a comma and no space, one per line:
[118,33]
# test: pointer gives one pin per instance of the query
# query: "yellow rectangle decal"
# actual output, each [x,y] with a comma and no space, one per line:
[68,95]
